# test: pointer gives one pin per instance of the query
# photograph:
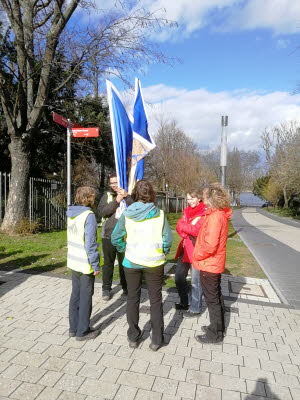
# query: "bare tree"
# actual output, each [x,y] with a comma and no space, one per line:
[38,28]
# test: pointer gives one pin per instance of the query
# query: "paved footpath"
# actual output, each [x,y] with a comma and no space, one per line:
[276,246]
[259,358]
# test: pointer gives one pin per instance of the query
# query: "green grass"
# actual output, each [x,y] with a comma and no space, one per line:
[283,212]
[46,252]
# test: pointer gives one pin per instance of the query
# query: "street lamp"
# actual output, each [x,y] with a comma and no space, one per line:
[223,159]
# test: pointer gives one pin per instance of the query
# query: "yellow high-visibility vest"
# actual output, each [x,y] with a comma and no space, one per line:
[77,258]
[144,243]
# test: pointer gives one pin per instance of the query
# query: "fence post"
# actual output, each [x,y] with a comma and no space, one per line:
[0,197]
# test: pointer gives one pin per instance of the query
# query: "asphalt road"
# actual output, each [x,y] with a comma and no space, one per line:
[276,246]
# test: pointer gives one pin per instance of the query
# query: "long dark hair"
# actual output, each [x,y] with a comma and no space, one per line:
[143,191]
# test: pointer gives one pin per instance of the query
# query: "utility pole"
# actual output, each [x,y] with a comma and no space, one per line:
[69,133]
[223,159]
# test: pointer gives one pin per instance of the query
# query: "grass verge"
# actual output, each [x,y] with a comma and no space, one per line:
[46,252]
[283,212]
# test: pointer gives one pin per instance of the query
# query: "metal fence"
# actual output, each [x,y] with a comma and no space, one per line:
[46,203]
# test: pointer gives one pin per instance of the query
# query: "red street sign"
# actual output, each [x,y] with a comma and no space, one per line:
[59,119]
[85,132]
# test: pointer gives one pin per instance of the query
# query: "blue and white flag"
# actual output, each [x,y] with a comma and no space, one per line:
[122,134]
[142,140]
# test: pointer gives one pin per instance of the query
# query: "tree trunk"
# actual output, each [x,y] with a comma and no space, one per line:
[17,205]
[286,199]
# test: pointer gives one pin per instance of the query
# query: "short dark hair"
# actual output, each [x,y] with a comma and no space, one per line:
[143,191]
[112,175]
[85,196]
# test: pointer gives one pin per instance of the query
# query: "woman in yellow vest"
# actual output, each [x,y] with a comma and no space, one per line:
[83,260]
[148,240]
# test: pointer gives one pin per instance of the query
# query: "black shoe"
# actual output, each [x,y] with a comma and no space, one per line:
[207,340]
[179,306]
[72,334]
[204,329]
[135,345]
[155,347]
[190,314]
[92,334]
[106,295]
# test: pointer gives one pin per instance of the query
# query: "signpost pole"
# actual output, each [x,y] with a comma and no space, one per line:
[69,163]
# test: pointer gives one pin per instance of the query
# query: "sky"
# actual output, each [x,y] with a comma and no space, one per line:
[239,58]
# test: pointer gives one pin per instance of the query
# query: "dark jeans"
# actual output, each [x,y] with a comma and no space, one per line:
[110,253]
[193,295]
[80,306]
[211,285]
[154,280]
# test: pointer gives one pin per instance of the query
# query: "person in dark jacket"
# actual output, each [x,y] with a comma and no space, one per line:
[109,210]
[144,234]
[83,260]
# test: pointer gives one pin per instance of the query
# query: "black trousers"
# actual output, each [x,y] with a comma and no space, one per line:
[154,280]
[110,253]
[211,286]
[80,306]
[182,286]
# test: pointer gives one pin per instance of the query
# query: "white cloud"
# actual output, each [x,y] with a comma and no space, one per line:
[279,16]
[199,112]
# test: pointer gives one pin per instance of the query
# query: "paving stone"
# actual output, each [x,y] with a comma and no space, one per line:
[230,395]
[55,364]
[287,380]
[3,365]
[186,390]
[227,358]
[256,388]
[158,370]
[49,393]
[279,356]
[198,377]
[139,366]
[230,370]
[56,351]
[110,375]
[91,371]
[252,362]
[8,386]
[178,373]
[147,395]
[30,359]
[39,347]
[8,354]
[163,385]
[70,382]
[229,348]
[211,366]
[72,396]
[89,357]
[191,363]
[108,348]
[50,378]
[295,393]
[72,367]
[256,374]
[269,365]
[291,369]
[53,339]
[27,391]
[278,392]
[112,361]
[250,352]
[202,354]
[12,371]
[17,344]
[92,386]
[183,351]
[126,393]
[72,353]
[227,383]
[31,374]
[208,393]
[136,380]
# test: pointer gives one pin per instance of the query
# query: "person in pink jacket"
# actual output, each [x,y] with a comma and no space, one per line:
[188,228]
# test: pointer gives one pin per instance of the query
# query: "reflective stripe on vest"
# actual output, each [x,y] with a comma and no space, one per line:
[77,256]
[144,244]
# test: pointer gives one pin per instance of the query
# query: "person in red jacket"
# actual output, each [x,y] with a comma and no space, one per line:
[209,257]
[188,228]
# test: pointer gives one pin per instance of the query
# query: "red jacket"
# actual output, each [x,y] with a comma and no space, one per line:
[210,249]
[188,229]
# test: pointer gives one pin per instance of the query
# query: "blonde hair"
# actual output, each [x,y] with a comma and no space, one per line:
[85,196]
[216,196]
[196,193]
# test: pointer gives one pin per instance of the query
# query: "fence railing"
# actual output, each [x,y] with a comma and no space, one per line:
[46,202]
